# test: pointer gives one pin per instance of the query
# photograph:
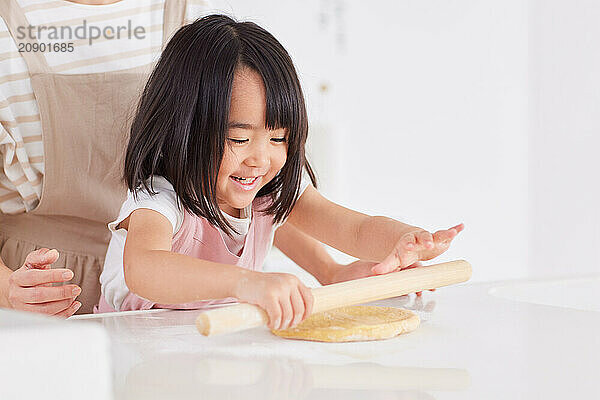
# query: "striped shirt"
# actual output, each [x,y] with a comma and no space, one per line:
[52,22]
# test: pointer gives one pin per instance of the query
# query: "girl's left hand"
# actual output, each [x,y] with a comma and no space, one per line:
[415,246]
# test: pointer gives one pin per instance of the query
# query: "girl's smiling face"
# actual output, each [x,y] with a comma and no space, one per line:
[253,154]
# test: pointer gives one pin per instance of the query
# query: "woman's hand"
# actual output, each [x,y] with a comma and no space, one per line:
[418,245]
[29,287]
[283,296]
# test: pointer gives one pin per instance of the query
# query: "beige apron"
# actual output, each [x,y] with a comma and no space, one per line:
[85,124]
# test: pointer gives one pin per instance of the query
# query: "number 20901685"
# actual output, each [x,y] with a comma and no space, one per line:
[46,47]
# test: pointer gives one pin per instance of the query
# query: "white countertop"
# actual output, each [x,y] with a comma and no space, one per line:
[475,342]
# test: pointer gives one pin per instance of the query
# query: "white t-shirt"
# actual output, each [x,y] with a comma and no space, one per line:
[164,202]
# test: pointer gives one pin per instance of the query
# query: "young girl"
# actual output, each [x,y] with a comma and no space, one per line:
[215,164]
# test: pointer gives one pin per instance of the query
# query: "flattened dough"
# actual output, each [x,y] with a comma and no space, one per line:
[353,324]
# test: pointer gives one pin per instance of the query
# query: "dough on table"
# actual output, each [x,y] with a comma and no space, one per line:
[352,324]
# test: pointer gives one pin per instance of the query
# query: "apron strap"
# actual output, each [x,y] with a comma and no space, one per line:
[14,17]
[173,19]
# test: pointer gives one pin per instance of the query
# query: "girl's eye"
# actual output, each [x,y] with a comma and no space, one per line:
[238,141]
[241,141]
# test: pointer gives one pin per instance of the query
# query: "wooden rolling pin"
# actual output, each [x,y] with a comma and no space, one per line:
[245,316]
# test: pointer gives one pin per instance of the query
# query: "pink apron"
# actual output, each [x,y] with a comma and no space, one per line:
[198,238]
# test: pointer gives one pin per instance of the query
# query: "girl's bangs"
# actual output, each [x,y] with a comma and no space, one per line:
[284,98]
[282,107]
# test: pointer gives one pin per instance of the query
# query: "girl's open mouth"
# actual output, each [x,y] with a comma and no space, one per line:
[246,183]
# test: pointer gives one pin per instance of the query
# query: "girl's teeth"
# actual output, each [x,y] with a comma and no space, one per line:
[244,180]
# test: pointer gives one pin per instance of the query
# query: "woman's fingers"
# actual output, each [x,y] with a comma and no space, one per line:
[29,286]
[50,308]
[45,294]
[69,311]
[40,258]
[33,277]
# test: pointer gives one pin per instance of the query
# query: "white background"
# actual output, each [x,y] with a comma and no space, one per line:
[437,112]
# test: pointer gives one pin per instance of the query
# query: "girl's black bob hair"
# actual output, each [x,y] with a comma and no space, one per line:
[180,127]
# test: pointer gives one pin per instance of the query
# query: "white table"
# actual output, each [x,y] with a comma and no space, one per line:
[475,342]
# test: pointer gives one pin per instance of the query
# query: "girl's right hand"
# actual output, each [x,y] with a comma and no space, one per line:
[286,300]
[29,287]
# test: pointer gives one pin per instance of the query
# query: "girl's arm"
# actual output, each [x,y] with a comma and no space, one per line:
[352,232]
[311,255]
[306,251]
[156,273]
[385,240]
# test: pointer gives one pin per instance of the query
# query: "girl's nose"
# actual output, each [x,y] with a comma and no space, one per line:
[258,157]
